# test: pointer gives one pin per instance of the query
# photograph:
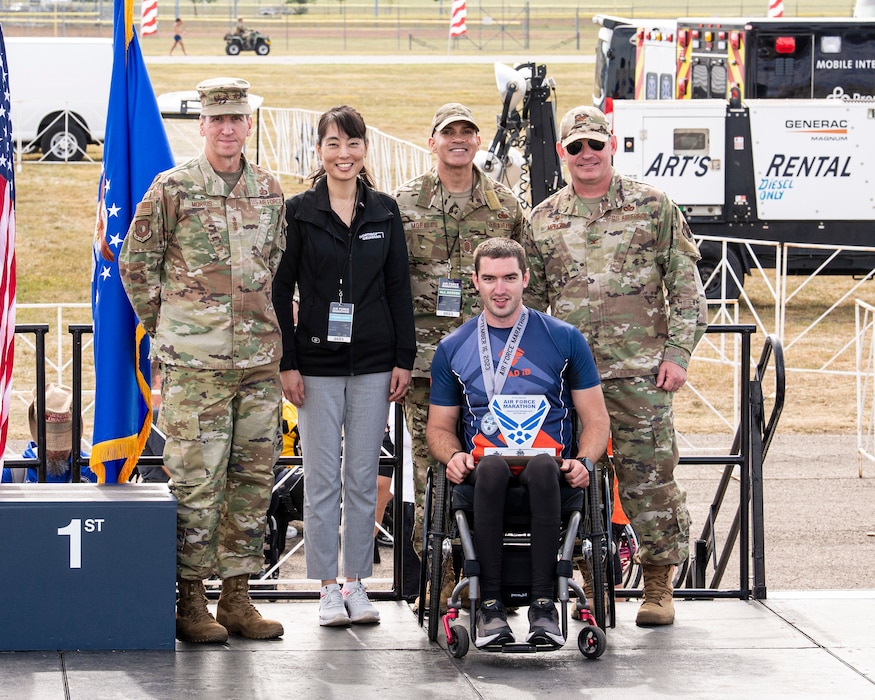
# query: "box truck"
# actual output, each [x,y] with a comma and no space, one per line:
[59,93]
[788,171]
[783,58]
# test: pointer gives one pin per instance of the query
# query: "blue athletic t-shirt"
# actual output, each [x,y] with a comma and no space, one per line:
[552,359]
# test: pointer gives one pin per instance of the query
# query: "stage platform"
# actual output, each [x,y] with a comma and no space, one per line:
[792,645]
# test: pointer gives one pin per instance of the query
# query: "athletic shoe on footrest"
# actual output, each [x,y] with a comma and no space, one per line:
[544,624]
[492,627]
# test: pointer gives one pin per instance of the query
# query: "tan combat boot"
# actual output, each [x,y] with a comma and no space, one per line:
[583,568]
[237,613]
[658,605]
[194,623]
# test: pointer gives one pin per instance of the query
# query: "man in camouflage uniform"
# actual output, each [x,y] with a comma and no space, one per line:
[447,213]
[198,265]
[620,263]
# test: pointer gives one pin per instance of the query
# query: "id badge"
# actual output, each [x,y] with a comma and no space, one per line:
[449,301]
[340,322]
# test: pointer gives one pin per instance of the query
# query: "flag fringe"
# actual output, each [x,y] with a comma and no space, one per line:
[119,448]
[129,24]
[131,447]
[145,388]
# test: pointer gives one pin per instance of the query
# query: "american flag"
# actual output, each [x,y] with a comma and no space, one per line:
[149,18]
[135,150]
[457,18]
[7,250]
[776,8]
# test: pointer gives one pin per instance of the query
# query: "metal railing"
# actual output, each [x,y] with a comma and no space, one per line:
[865,381]
[754,432]
[265,582]
[741,533]
[749,449]
[285,144]
[63,127]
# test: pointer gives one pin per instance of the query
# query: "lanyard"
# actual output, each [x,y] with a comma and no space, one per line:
[343,261]
[450,250]
[493,380]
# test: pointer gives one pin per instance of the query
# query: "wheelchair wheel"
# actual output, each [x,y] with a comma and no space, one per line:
[598,537]
[425,557]
[611,579]
[460,643]
[436,558]
[592,642]
[627,547]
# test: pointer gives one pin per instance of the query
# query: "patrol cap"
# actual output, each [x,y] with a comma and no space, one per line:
[449,113]
[584,123]
[224,96]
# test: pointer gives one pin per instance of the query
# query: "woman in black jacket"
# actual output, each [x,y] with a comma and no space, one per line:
[349,355]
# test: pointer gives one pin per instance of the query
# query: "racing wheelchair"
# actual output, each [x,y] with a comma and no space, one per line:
[585,532]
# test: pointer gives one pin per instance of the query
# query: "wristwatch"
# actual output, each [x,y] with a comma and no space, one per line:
[587,463]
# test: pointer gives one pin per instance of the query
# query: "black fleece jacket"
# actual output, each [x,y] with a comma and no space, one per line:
[368,261]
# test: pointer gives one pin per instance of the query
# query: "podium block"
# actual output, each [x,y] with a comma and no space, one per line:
[84,566]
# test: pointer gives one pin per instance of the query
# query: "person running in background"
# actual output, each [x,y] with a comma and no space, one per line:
[178,33]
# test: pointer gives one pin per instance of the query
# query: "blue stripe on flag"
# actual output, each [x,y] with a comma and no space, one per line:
[135,150]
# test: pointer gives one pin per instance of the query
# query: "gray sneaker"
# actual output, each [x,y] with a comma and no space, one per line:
[361,610]
[544,624]
[332,611]
[492,627]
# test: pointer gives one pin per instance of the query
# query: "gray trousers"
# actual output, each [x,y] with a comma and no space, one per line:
[354,410]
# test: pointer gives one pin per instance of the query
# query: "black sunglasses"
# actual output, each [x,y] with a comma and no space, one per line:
[576,147]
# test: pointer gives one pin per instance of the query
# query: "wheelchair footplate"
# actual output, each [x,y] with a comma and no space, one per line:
[525,647]
[517,648]
[591,641]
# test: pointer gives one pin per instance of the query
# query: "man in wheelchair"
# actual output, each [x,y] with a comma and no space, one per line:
[514,378]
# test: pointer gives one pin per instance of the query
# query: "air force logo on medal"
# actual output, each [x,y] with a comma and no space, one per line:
[520,417]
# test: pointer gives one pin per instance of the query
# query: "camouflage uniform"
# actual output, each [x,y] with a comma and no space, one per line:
[198,264]
[493,210]
[625,274]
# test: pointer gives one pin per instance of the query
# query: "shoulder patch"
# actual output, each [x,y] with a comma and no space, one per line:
[142,231]
[144,208]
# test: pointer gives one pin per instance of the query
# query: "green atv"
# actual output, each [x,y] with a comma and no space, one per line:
[251,41]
